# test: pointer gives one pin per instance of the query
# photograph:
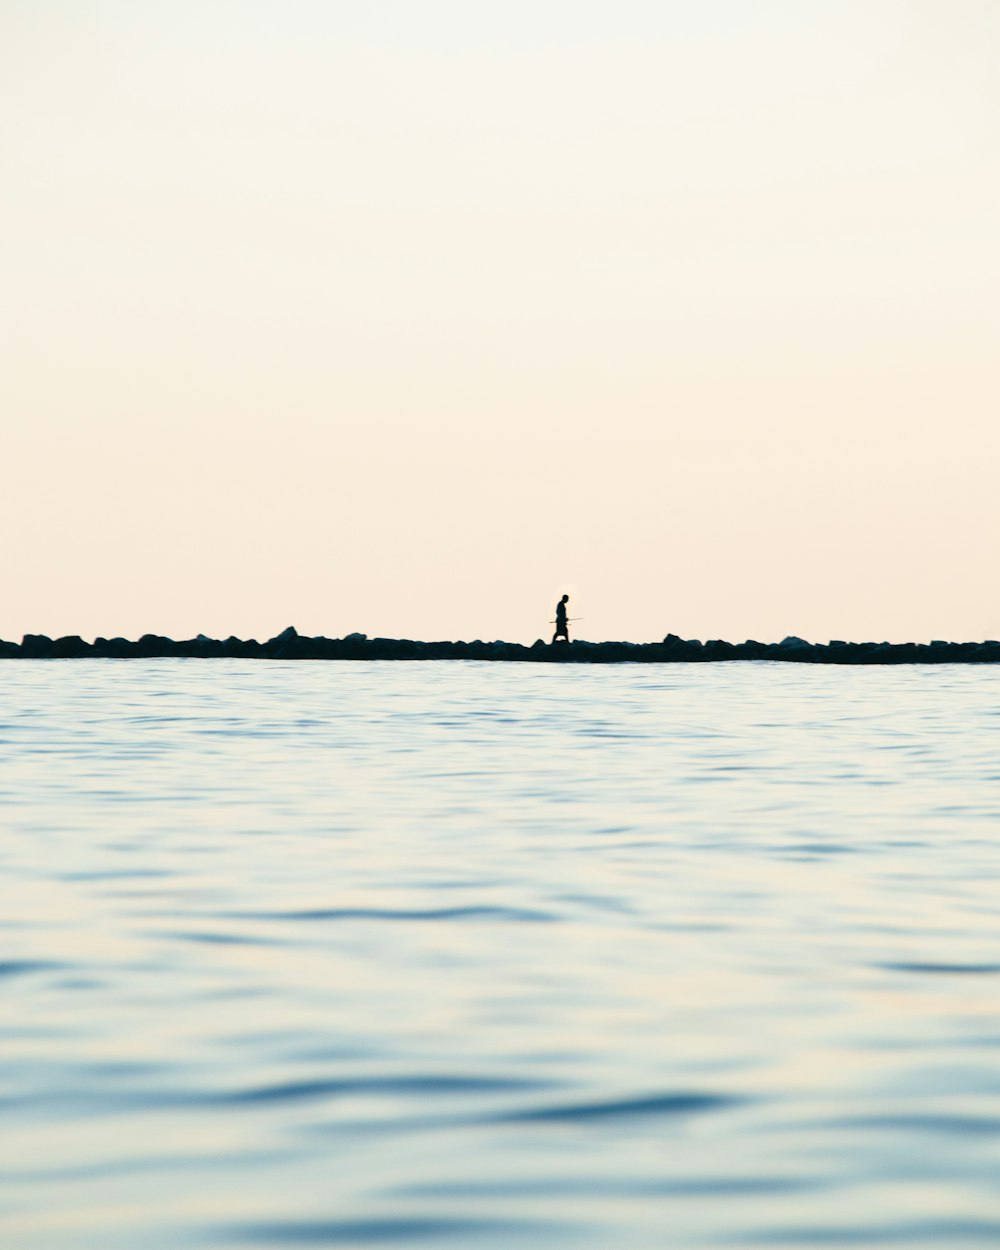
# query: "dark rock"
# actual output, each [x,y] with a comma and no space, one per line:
[388,648]
[70,647]
[279,642]
[355,647]
[36,646]
[319,648]
[273,645]
[155,646]
[299,648]
[678,649]
[613,651]
[792,643]
[201,647]
[9,650]
[691,649]
[235,648]
[118,648]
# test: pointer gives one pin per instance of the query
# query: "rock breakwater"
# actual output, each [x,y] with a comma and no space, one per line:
[291,645]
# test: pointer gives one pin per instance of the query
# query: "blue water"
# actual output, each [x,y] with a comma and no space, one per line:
[497,955]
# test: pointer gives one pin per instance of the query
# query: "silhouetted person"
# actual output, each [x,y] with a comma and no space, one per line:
[562,628]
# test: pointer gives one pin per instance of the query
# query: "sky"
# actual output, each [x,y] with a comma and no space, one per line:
[406,317]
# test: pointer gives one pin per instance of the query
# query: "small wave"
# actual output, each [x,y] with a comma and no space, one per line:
[205,938]
[431,1084]
[23,967]
[952,1125]
[378,1232]
[117,874]
[933,1233]
[521,914]
[123,1095]
[606,1187]
[961,970]
[810,850]
[623,1108]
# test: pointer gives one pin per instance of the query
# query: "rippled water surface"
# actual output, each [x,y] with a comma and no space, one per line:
[498,955]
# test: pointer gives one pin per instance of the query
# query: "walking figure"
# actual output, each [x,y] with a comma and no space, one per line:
[562,628]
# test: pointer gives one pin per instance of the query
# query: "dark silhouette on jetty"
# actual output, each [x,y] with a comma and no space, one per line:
[562,628]
[290,645]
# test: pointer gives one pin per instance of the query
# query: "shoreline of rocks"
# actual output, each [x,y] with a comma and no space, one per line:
[290,645]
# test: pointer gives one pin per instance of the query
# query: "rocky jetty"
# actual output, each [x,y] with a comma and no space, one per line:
[291,645]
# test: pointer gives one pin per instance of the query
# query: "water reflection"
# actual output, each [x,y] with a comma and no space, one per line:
[347,954]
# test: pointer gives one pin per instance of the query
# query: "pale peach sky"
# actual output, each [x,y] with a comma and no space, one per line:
[401,316]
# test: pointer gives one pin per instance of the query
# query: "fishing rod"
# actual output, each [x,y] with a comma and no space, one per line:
[569,619]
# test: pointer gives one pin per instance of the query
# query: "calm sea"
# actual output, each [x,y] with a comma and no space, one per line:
[495,955]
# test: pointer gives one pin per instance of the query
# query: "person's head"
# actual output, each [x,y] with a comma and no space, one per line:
[565,599]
